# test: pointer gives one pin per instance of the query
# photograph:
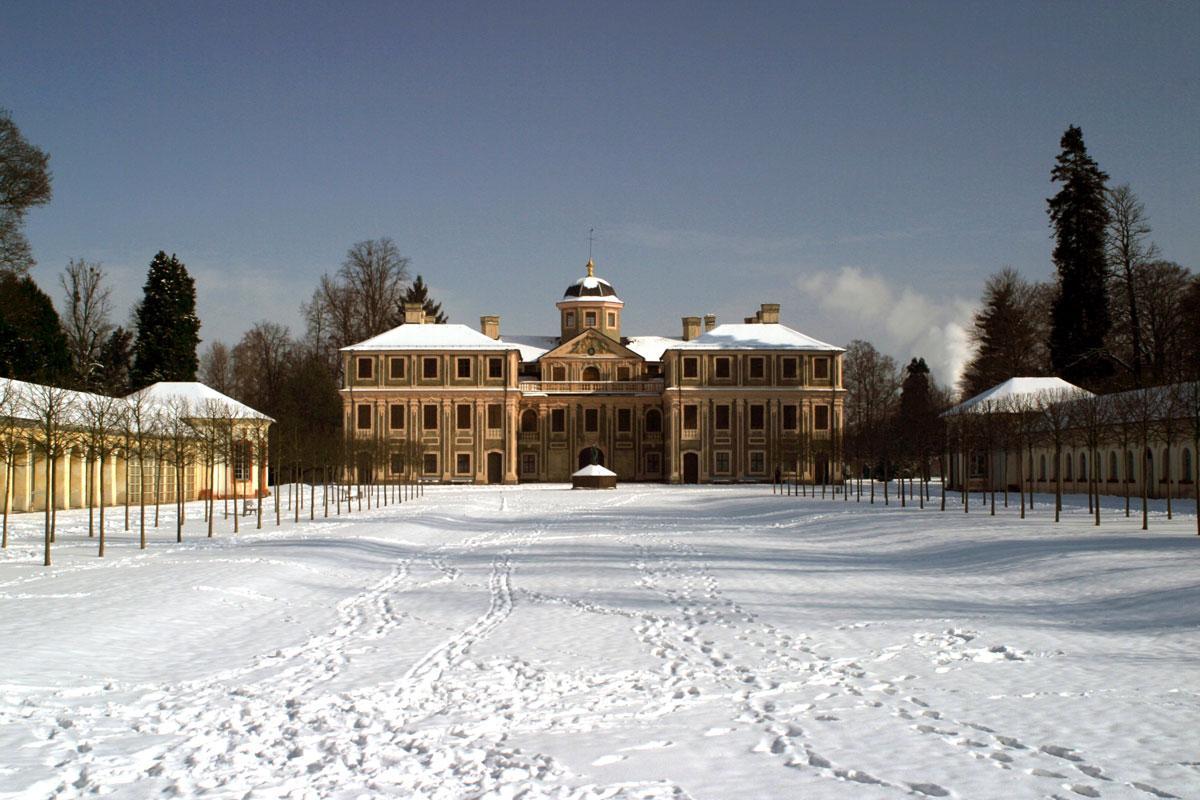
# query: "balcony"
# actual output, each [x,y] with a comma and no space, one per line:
[592,387]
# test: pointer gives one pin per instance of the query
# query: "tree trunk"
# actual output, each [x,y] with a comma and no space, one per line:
[49,502]
[10,471]
[101,554]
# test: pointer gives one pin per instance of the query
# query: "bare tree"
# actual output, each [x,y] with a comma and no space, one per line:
[11,435]
[178,428]
[360,300]
[138,427]
[1128,252]
[216,368]
[86,318]
[52,407]
[1054,409]
[102,422]
[260,360]
[1191,411]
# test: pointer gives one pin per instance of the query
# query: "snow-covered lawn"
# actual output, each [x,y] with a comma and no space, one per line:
[647,642]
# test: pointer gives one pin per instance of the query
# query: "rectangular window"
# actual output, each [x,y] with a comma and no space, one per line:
[462,417]
[558,373]
[790,368]
[528,463]
[758,416]
[624,420]
[757,366]
[396,420]
[366,369]
[821,369]
[364,417]
[463,367]
[758,462]
[612,319]
[396,369]
[653,463]
[495,416]
[495,367]
[429,367]
[691,417]
[624,373]
[821,418]
[429,417]
[721,368]
[591,420]
[589,319]
[429,464]
[722,416]
[722,462]
[558,420]
[462,464]
[397,463]
[790,418]
[691,367]
[569,319]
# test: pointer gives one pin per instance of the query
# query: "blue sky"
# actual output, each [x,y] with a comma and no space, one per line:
[866,165]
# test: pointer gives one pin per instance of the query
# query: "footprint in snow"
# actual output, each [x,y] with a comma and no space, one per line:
[609,759]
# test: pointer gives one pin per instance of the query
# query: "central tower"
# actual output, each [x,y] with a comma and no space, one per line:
[590,303]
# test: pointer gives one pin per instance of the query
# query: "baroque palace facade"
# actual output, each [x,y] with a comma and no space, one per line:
[730,402]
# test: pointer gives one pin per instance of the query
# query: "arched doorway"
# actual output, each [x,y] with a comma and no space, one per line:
[591,455]
[822,468]
[365,468]
[691,468]
[495,468]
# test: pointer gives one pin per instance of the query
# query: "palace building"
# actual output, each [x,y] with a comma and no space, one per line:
[723,402]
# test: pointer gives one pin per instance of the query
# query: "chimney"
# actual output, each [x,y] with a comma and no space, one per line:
[710,322]
[751,320]
[490,327]
[414,314]
[691,328]
[769,313]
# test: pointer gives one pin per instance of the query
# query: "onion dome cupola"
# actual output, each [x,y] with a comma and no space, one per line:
[590,302]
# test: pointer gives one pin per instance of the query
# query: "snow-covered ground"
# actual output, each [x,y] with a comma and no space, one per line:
[647,642]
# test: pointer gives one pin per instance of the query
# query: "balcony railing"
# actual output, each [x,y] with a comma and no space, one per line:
[593,387]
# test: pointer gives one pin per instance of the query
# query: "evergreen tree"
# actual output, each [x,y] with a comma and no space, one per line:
[168,330]
[418,292]
[116,362]
[918,416]
[1009,333]
[1079,317]
[33,346]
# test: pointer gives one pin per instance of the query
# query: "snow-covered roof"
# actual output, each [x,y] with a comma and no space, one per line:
[593,471]
[532,347]
[754,336]
[27,398]
[590,289]
[196,398]
[451,336]
[994,399]
[651,348]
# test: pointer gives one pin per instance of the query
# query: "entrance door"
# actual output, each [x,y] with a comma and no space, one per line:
[691,468]
[365,468]
[495,468]
[587,454]
[822,468]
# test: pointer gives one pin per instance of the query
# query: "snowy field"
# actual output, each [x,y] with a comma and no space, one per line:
[648,642]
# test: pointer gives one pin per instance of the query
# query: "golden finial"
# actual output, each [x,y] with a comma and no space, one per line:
[591,268]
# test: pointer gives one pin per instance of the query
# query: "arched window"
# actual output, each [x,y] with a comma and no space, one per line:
[591,373]
[654,421]
[1067,474]
[1128,466]
[1166,462]
[529,421]
[1083,466]
[1186,460]
[241,460]
[1112,466]
[1042,469]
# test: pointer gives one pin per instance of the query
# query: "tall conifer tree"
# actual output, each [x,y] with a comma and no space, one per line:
[33,346]
[418,292]
[168,330]
[1079,317]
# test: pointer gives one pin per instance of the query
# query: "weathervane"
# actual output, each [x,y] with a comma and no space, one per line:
[591,238]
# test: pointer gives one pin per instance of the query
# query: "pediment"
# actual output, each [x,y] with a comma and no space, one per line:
[591,344]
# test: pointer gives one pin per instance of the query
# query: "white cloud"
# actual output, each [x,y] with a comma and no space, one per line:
[900,321]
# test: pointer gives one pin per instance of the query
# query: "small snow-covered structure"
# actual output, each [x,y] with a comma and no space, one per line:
[594,476]
[1004,397]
